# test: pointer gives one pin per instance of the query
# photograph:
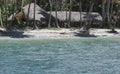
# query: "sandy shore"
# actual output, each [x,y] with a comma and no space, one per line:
[60,33]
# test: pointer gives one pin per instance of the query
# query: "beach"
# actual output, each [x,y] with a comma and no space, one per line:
[57,33]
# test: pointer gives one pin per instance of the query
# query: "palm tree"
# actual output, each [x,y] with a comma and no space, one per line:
[66,9]
[22,3]
[70,10]
[1,22]
[34,22]
[6,22]
[51,6]
[103,9]
[80,10]
[114,14]
[90,20]
[110,13]
[56,19]
[28,12]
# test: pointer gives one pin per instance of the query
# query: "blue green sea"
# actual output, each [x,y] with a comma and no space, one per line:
[60,56]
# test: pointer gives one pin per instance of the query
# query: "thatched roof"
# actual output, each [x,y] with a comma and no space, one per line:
[42,15]
[38,11]
[75,16]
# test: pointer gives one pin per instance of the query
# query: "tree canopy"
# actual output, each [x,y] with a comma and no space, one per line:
[109,9]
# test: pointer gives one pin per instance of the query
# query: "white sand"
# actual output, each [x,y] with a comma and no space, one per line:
[68,33]
[104,33]
[61,33]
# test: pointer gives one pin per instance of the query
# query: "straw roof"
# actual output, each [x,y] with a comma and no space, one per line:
[75,16]
[42,15]
[38,11]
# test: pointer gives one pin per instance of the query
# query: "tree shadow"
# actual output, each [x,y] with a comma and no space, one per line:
[114,32]
[13,34]
[84,35]
[47,16]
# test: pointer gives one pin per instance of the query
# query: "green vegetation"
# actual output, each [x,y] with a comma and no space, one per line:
[109,9]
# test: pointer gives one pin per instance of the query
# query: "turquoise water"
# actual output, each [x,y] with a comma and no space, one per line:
[60,56]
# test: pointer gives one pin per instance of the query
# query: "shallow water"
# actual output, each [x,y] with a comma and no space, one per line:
[60,56]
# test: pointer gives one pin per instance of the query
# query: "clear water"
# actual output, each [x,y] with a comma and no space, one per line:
[60,56]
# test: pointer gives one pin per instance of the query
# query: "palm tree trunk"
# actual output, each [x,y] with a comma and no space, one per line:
[56,19]
[6,15]
[15,8]
[15,5]
[70,10]
[80,9]
[22,4]
[90,19]
[66,13]
[12,2]
[49,23]
[28,12]
[103,12]
[108,13]
[103,9]
[116,19]
[1,22]
[111,14]
[34,22]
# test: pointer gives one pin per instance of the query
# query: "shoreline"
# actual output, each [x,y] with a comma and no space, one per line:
[58,34]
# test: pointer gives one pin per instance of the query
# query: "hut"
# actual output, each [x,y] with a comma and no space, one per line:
[32,12]
[77,16]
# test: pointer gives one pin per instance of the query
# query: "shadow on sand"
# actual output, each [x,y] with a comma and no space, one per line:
[84,35]
[13,34]
[115,32]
